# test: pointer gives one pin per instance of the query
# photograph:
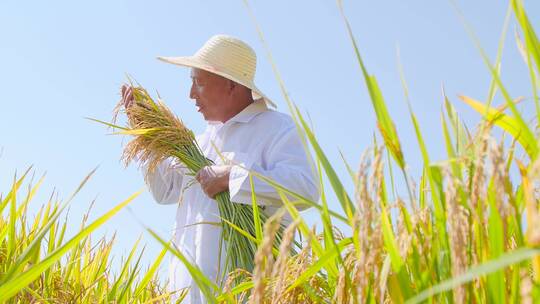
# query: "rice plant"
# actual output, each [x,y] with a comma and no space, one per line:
[38,264]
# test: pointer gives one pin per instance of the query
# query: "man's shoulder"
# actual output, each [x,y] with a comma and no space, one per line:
[274,120]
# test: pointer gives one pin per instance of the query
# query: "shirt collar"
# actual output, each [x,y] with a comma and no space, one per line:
[247,113]
[250,111]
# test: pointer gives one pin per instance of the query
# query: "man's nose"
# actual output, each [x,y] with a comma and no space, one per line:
[192,93]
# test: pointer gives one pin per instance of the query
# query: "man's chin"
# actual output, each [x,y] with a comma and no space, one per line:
[208,118]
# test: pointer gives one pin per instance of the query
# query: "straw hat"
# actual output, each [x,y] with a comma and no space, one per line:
[228,57]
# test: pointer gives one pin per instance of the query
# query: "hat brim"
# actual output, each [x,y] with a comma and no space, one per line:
[193,62]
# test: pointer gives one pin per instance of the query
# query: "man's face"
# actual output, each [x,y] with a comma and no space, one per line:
[209,92]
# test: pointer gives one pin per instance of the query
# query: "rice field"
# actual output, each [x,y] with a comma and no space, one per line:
[466,232]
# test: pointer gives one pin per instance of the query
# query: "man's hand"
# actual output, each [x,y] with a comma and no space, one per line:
[214,179]
[127,95]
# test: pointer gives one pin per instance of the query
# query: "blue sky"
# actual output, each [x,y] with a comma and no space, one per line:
[61,61]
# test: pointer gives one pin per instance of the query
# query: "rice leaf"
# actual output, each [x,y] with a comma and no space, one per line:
[507,123]
[384,122]
[531,40]
[328,257]
[521,125]
[338,187]
[150,273]
[18,282]
[256,217]
[505,260]
[206,286]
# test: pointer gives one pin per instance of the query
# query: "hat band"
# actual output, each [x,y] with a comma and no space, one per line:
[223,65]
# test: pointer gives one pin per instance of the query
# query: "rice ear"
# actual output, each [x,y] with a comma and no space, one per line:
[168,133]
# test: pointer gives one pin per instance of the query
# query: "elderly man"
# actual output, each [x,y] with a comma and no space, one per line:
[245,130]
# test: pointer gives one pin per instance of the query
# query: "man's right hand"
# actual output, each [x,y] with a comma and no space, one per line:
[127,95]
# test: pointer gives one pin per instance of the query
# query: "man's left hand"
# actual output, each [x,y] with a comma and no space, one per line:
[214,179]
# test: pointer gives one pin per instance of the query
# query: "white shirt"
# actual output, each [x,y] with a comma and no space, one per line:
[258,138]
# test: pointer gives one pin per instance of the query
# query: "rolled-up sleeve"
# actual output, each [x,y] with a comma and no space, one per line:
[288,164]
[165,182]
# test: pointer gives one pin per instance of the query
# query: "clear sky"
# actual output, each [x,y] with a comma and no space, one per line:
[61,61]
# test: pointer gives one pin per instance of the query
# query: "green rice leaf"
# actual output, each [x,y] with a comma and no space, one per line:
[122,276]
[505,260]
[115,126]
[436,188]
[347,166]
[339,189]
[125,293]
[136,131]
[254,206]
[300,200]
[236,290]
[495,282]
[150,273]
[507,123]
[316,245]
[384,122]
[390,242]
[18,282]
[531,40]
[328,257]
[520,124]
[206,286]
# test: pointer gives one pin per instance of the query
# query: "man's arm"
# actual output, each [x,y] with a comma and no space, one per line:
[165,182]
[288,165]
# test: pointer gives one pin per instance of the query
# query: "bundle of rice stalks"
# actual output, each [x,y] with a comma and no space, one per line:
[158,135]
